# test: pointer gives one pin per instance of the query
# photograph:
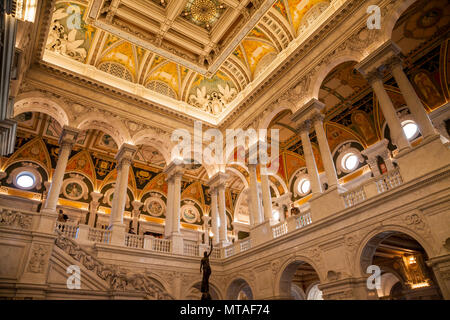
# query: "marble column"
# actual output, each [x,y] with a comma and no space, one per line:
[222,214]
[375,79]
[174,172]
[266,197]
[325,152]
[255,210]
[206,229]
[313,174]
[66,141]
[124,158]
[214,215]
[176,202]
[412,99]
[169,207]
[93,207]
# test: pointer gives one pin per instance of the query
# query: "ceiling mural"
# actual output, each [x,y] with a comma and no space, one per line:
[75,34]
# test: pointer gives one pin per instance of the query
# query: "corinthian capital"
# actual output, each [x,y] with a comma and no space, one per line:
[305,126]
[374,76]
[317,117]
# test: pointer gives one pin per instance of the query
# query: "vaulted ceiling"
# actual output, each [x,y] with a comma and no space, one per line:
[200,52]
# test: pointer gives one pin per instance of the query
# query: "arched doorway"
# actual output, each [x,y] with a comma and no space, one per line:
[239,289]
[402,263]
[194,292]
[297,281]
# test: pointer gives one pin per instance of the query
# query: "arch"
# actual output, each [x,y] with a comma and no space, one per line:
[106,123]
[326,68]
[282,183]
[391,18]
[152,138]
[297,292]
[371,241]
[161,282]
[238,174]
[283,279]
[37,102]
[213,288]
[236,286]
[268,118]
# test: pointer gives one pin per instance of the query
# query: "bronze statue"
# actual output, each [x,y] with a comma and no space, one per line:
[206,268]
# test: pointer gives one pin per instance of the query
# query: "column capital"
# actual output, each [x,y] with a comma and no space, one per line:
[136,205]
[312,107]
[206,218]
[173,170]
[374,76]
[96,196]
[68,136]
[218,180]
[378,58]
[376,149]
[317,117]
[126,153]
[305,126]
[394,61]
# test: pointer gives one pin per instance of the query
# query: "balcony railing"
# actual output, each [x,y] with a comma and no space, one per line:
[389,181]
[279,230]
[303,220]
[353,197]
[159,245]
[190,249]
[67,229]
[374,186]
[216,253]
[134,241]
[245,244]
[229,251]
[99,235]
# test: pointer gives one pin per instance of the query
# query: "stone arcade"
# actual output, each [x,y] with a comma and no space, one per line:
[357,123]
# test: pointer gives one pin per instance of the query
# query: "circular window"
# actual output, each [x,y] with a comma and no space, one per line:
[350,161]
[25,180]
[410,129]
[275,214]
[304,186]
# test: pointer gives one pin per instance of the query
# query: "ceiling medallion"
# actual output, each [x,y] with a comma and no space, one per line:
[203,12]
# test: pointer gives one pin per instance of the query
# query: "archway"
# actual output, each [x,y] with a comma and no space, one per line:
[239,289]
[402,263]
[194,292]
[298,276]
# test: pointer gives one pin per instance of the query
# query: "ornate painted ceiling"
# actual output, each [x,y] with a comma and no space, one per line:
[202,53]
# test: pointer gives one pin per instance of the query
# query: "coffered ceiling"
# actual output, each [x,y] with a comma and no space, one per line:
[197,34]
[197,57]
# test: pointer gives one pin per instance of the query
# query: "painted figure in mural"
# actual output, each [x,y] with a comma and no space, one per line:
[206,268]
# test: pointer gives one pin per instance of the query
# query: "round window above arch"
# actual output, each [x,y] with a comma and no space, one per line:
[26,180]
[411,129]
[304,186]
[350,161]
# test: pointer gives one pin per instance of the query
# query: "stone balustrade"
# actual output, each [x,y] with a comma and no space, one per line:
[83,233]
[191,249]
[373,187]
[279,230]
[68,229]
[134,241]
